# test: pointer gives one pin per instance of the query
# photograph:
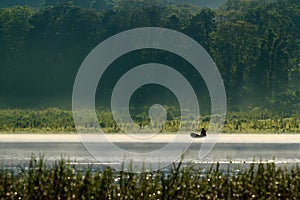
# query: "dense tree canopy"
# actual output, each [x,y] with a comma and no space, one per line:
[255,44]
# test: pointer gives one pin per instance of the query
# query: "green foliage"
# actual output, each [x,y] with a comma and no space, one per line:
[65,181]
[56,120]
[36,121]
[96,4]
[260,121]
[255,44]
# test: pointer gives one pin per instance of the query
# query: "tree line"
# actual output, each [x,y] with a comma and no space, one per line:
[255,44]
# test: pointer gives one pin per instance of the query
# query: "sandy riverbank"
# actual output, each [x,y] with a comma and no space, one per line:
[161,138]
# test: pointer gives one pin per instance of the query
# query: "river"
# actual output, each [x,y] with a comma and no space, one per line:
[17,149]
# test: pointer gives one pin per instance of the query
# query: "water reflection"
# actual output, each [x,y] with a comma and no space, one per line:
[16,154]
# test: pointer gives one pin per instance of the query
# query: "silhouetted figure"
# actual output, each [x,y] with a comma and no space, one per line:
[203,132]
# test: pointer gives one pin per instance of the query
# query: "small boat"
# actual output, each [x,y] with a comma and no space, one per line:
[195,135]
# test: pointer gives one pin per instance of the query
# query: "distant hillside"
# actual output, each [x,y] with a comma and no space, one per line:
[100,4]
[10,3]
[97,4]
[203,3]
[241,4]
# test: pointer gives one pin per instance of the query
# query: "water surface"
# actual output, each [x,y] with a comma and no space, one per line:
[14,154]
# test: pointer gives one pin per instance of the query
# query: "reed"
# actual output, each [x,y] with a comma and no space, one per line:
[55,120]
[62,180]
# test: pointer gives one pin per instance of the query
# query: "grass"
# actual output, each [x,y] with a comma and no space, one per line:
[64,181]
[55,120]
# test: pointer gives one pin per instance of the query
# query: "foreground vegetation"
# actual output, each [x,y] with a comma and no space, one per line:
[65,181]
[57,120]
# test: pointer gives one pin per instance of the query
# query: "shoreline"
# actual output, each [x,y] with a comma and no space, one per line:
[161,138]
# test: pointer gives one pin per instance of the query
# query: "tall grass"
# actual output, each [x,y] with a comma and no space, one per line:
[64,181]
[57,120]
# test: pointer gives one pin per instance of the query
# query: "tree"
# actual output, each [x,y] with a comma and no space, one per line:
[234,50]
[14,28]
[201,26]
[275,29]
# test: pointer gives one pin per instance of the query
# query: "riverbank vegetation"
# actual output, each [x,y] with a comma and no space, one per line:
[65,181]
[255,45]
[55,120]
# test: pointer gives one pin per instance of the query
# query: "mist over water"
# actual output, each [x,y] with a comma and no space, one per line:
[237,154]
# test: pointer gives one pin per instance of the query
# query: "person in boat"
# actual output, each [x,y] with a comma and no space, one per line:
[203,132]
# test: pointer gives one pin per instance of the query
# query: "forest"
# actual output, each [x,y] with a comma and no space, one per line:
[255,44]
[103,4]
